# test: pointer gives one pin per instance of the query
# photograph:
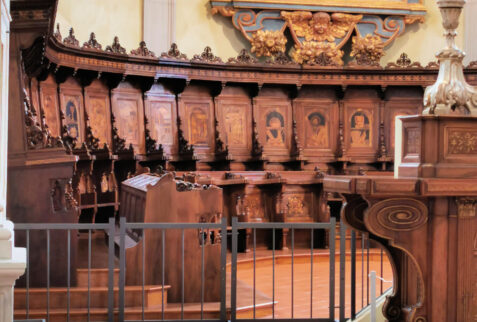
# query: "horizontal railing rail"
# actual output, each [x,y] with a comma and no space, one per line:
[342,304]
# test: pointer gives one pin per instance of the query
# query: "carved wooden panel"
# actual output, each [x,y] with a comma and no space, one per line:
[273,114]
[234,114]
[98,109]
[71,102]
[399,102]
[361,121]
[128,110]
[49,105]
[196,110]
[316,112]
[161,113]
[299,203]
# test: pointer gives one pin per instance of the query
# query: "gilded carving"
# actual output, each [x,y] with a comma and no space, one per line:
[466,207]
[116,47]
[320,53]
[367,50]
[92,43]
[268,43]
[224,11]
[296,205]
[320,26]
[462,142]
[275,125]
[142,50]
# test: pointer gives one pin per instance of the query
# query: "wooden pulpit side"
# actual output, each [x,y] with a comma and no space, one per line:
[150,198]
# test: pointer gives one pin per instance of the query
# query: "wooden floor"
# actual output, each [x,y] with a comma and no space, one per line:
[302,280]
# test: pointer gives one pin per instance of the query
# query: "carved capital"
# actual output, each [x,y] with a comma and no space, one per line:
[466,207]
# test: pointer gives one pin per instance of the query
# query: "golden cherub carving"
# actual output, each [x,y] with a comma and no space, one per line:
[320,26]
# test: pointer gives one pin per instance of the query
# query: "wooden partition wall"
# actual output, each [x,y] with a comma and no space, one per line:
[263,131]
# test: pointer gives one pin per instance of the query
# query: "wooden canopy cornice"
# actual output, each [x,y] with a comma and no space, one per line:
[47,53]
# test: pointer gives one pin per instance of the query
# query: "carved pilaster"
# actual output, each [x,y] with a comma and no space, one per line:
[466,207]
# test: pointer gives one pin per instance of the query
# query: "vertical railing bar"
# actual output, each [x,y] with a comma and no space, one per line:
[254,269]
[89,274]
[332,241]
[381,274]
[367,270]
[163,266]
[28,274]
[233,286]
[223,271]
[182,277]
[111,257]
[342,269]
[353,275]
[273,273]
[68,277]
[122,265]
[143,270]
[202,275]
[362,270]
[292,271]
[311,275]
[48,275]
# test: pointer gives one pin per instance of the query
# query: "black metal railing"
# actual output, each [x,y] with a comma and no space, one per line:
[342,303]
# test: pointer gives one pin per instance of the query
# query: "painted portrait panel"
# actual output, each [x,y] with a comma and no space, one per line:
[198,130]
[234,121]
[360,132]
[160,122]
[127,121]
[71,113]
[50,108]
[275,125]
[316,131]
[99,118]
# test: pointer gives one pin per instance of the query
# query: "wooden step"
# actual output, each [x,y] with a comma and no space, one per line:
[79,297]
[98,277]
[192,311]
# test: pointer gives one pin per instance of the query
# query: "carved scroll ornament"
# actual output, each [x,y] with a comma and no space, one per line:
[319,36]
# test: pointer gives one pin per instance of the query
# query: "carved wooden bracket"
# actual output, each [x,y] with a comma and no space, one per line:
[319,36]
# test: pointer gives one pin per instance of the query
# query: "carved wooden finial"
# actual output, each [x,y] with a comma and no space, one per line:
[174,53]
[57,33]
[92,43]
[116,47]
[142,50]
[207,57]
[243,58]
[71,39]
